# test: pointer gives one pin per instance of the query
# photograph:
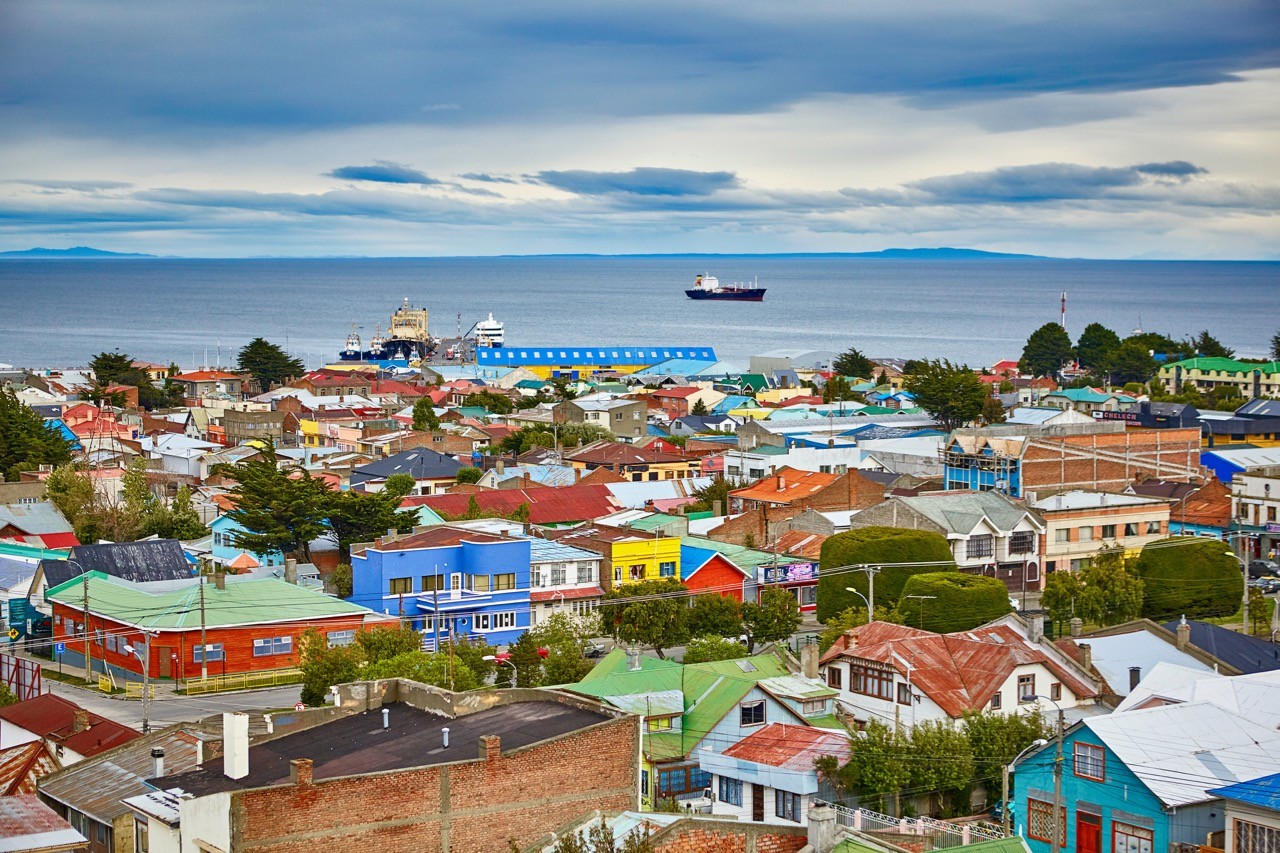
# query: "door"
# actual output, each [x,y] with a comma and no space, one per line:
[1088,833]
[757,802]
[166,658]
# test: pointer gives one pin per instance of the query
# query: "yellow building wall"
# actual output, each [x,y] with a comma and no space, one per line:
[585,371]
[650,553]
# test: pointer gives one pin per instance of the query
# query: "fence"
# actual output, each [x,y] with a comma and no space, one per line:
[242,681]
[23,677]
[133,690]
[939,834]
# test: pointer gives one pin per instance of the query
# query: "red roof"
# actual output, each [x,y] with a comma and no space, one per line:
[206,376]
[799,543]
[960,671]
[438,537]
[791,747]
[786,485]
[615,453]
[678,393]
[21,766]
[53,717]
[546,506]
[568,594]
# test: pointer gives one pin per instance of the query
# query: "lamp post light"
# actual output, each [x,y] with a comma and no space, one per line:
[1005,817]
[144,658]
[1059,827]
[504,657]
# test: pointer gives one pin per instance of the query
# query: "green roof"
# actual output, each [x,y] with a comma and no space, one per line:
[754,381]
[533,384]
[652,522]
[741,556]
[1012,844]
[477,412]
[1081,395]
[711,690]
[32,552]
[1225,365]
[249,602]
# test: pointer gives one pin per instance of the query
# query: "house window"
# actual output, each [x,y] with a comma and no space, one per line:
[1022,542]
[980,546]
[479,583]
[834,677]
[637,573]
[1108,531]
[212,651]
[904,694]
[1131,529]
[786,805]
[432,583]
[504,581]
[617,574]
[679,780]
[1249,838]
[996,702]
[751,713]
[871,682]
[586,574]
[1062,534]
[644,783]
[1153,527]
[1086,534]
[272,646]
[1090,762]
[1026,688]
[667,570]
[400,586]
[1040,821]
[340,638]
[658,724]
[813,707]
[495,621]
[558,575]
[1055,691]
[731,791]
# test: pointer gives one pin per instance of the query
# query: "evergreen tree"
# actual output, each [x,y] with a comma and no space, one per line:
[26,441]
[1047,349]
[490,401]
[379,644]
[1275,347]
[700,407]
[71,491]
[424,415]
[110,367]
[992,411]
[1207,346]
[836,389]
[268,364]
[853,363]
[469,474]
[364,516]
[1109,594]
[1131,362]
[322,666]
[281,511]
[775,618]
[952,393]
[883,378]
[1095,347]
[710,648]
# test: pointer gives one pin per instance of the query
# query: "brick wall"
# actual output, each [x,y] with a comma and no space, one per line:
[468,807]
[1046,470]
[695,835]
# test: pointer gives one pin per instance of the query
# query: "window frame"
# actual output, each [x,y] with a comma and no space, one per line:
[747,713]
[340,638]
[1140,834]
[786,805]
[1088,761]
[503,582]
[399,586]
[1041,807]
[264,647]
[729,790]
[201,654]
[835,678]
[1031,678]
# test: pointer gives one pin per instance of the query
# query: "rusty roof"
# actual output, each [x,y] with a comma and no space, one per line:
[22,765]
[960,671]
[579,502]
[53,717]
[613,453]
[28,824]
[791,747]
[438,537]
[786,485]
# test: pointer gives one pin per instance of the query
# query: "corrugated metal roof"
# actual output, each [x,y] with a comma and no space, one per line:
[589,355]
[546,505]
[1263,791]
[791,747]
[28,824]
[22,765]
[37,518]
[53,717]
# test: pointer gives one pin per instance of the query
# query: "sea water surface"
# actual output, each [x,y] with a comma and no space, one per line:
[59,313]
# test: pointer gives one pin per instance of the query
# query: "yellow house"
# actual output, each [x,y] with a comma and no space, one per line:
[751,414]
[309,432]
[630,555]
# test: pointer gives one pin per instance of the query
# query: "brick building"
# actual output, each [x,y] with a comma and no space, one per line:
[404,767]
[240,426]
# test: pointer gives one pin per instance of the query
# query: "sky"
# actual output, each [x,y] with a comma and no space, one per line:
[1072,128]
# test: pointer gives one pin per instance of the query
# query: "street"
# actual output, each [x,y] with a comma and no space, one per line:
[168,708]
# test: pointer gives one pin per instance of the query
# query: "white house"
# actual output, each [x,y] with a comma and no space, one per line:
[769,776]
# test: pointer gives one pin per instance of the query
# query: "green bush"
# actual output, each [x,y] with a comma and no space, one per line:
[881,546]
[1199,579]
[958,602]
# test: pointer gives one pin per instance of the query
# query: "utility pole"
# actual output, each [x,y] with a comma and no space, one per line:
[88,661]
[1059,827]
[435,613]
[204,657]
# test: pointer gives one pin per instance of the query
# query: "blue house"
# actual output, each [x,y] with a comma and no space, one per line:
[976,464]
[1138,781]
[447,581]
[225,550]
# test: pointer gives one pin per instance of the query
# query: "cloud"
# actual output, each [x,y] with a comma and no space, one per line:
[78,186]
[1044,182]
[643,181]
[487,178]
[384,172]
[1180,169]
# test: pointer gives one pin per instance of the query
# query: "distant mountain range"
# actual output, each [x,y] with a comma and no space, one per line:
[73,252]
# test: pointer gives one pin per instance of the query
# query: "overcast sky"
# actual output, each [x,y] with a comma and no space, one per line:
[1088,128]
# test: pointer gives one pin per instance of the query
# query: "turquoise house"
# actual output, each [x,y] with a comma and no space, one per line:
[224,544]
[1139,781]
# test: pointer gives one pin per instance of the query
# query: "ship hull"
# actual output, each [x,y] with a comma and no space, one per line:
[752,295]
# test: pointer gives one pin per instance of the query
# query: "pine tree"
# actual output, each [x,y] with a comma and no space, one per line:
[1095,347]
[952,393]
[424,415]
[268,364]
[853,363]
[26,441]
[1046,351]
[280,511]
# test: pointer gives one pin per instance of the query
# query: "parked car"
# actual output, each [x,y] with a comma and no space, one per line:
[1266,585]
[1263,568]
[593,649]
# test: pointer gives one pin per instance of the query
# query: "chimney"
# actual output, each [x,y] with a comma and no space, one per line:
[633,658]
[444,737]
[290,570]
[300,772]
[823,832]
[1035,632]
[386,719]
[782,482]
[1184,634]
[1135,676]
[717,508]
[157,762]
[1086,655]
[809,661]
[80,721]
[500,465]
[1077,626]
[235,745]
[220,580]
[490,747]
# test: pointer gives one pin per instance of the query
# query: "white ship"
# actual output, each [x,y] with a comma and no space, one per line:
[490,332]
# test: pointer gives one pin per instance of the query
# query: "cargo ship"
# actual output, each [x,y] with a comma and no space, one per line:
[406,339]
[708,287]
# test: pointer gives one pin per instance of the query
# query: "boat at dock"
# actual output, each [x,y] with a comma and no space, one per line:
[708,287]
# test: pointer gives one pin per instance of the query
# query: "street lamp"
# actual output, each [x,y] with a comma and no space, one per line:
[504,657]
[864,599]
[1058,821]
[144,658]
[1004,788]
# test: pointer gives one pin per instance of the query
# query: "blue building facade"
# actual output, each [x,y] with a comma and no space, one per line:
[446,582]
[224,549]
[982,470]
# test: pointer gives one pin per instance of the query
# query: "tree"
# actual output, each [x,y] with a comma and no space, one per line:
[992,411]
[1196,578]
[322,666]
[710,648]
[896,551]
[599,839]
[1131,362]
[878,768]
[650,613]
[1275,347]
[1047,349]
[469,474]
[1207,346]
[71,491]
[942,758]
[570,435]
[490,401]
[552,652]
[1062,592]
[7,696]
[424,415]
[716,492]
[1095,347]
[379,644]
[340,580]
[853,363]
[279,510]
[996,739]
[268,364]
[883,378]
[953,394]
[944,602]
[433,668]
[1109,594]
[713,615]
[775,618]
[26,441]
[110,367]
[699,408]
[179,520]
[837,389]
[364,516]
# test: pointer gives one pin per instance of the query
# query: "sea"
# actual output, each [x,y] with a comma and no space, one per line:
[60,312]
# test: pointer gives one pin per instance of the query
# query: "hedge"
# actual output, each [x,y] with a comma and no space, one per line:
[958,602]
[882,546]
[1200,579]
